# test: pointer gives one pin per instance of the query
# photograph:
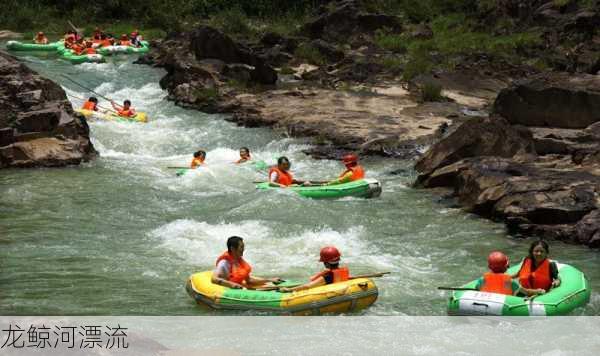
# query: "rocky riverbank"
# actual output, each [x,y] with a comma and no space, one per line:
[38,127]
[535,164]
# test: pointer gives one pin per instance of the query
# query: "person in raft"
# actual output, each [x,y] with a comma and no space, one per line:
[353,170]
[497,281]
[136,38]
[91,104]
[233,271]
[244,155]
[537,271]
[124,40]
[126,110]
[280,176]
[40,38]
[333,273]
[198,160]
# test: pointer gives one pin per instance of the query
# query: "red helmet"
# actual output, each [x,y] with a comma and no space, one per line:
[350,158]
[330,254]
[497,262]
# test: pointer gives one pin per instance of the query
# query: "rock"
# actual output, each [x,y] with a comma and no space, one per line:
[552,100]
[239,72]
[422,32]
[37,124]
[476,137]
[271,39]
[588,229]
[9,35]
[328,50]
[276,56]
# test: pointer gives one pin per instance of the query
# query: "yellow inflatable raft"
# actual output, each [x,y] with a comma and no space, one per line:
[351,295]
[89,114]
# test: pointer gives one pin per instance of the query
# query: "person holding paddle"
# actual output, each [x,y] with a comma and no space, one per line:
[498,281]
[124,111]
[352,173]
[91,104]
[280,175]
[233,271]
[333,273]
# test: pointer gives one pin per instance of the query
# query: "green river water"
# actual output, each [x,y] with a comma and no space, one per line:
[119,235]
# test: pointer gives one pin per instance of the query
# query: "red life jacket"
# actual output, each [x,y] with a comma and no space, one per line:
[89,105]
[126,113]
[540,278]
[339,274]
[283,178]
[240,269]
[125,43]
[90,50]
[500,283]
[357,173]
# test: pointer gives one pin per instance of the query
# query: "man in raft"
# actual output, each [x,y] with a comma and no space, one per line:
[333,273]
[233,271]
[244,155]
[280,176]
[353,170]
[124,41]
[497,281]
[40,38]
[91,104]
[198,160]
[124,111]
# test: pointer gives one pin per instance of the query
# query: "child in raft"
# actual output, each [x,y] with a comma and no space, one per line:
[91,104]
[124,111]
[198,160]
[498,281]
[333,273]
[40,38]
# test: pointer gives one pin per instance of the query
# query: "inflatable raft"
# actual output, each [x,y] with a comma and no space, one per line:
[573,292]
[70,56]
[351,295]
[20,46]
[139,117]
[109,50]
[364,188]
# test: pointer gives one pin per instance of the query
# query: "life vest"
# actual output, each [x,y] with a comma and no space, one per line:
[126,113]
[357,173]
[77,49]
[500,283]
[540,278]
[105,43]
[89,105]
[240,269]
[90,50]
[339,274]
[196,162]
[125,43]
[283,178]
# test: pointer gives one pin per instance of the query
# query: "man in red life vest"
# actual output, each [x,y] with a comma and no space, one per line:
[280,176]
[353,170]
[124,111]
[333,273]
[497,281]
[233,271]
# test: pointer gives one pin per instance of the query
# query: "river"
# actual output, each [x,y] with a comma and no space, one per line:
[119,235]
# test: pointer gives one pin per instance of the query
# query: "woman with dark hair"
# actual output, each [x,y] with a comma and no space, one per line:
[537,270]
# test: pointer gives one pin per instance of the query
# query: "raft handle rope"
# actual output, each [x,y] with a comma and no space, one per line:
[338,292]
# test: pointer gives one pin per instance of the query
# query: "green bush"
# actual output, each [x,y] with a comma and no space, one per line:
[392,64]
[310,54]
[391,42]
[431,92]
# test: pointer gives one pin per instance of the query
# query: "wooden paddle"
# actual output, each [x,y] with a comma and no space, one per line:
[370,275]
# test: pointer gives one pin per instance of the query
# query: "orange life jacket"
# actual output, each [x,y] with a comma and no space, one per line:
[89,105]
[240,269]
[78,49]
[500,283]
[540,278]
[357,173]
[105,43]
[283,178]
[339,274]
[90,50]
[196,162]
[125,43]
[126,113]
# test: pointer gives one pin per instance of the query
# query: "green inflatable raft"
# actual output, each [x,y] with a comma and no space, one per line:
[33,47]
[363,188]
[106,51]
[573,292]
[70,56]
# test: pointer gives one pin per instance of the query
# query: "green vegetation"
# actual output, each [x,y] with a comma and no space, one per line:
[286,71]
[392,64]
[431,92]
[310,54]
[207,95]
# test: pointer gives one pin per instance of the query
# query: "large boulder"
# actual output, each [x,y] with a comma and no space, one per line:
[588,229]
[561,100]
[477,137]
[37,124]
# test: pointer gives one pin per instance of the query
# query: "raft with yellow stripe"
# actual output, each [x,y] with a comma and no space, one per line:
[351,295]
[89,114]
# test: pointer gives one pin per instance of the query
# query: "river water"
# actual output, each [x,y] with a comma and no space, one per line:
[119,235]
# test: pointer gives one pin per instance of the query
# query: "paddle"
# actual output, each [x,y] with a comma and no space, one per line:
[99,106]
[456,288]
[179,168]
[75,28]
[86,88]
[371,275]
